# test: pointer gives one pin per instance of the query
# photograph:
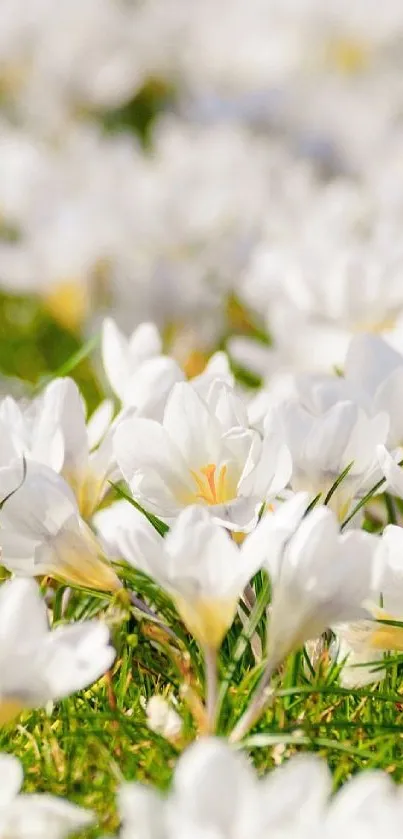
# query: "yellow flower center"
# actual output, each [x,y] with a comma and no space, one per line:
[349,56]
[68,304]
[9,709]
[386,636]
[213,488]
[88,488]
[384,324]
[208,620]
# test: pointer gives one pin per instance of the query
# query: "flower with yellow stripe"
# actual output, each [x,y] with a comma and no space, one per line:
[197,563]
[202,453]
[42,532]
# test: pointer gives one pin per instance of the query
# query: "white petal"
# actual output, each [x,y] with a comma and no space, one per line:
[226,405]
[295,795]
[74,657]
[99,423]
[21,606]
[201,558]
[359,668]
[392,472]
[18,553]
[239,515]
[11,778]
[192,427]
[138,543]
[274,530]
[142,812]
[116,356]
[152,465]
[40,506]
[147,390]
[36,816]
[63,405]
[369,361]
[145,342]
[215,787]
[364,805]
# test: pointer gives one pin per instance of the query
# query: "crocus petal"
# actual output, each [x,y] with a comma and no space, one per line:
[368,357]
[99,423]
[116,357]
[192,427]
[11,778]
[391,470]
[152,465]
[76,656]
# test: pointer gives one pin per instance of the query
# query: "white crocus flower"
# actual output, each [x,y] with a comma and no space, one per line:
[362,662]
[375,370]
[53,430]
[39,665]
[365,642]
[324,444]
[163,719]
[373,378]
[137,371]
[202,453]
[34,816]
[42,532]
[318,578]
[198,564]
[364,806]
[88,459]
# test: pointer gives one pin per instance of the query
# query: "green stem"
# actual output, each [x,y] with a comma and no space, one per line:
[260,702]
[210,659]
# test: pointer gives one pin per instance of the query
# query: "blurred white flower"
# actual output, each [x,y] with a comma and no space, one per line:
[163,719]
[375,370]
[366,642]
[324,276]
[373,378]
[362,662]
[138,372]
[33,816]
[38,665]
[84,66]
[42,531]
[325,441]
[215,792]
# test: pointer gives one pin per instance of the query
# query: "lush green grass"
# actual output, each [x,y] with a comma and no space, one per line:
[85,746]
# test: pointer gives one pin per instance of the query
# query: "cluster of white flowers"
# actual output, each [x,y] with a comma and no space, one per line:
[225,496]
[260,201]
[272,172]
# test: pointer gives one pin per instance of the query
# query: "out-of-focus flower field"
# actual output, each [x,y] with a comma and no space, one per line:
[201,419]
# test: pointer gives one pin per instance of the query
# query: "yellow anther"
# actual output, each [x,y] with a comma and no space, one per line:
[212,489]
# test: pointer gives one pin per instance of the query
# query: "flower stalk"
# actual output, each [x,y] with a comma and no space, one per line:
[210,659]
[261,700]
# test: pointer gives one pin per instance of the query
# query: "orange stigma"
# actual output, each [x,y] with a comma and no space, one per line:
[212,490]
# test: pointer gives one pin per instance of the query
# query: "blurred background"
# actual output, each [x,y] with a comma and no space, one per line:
[229,169]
